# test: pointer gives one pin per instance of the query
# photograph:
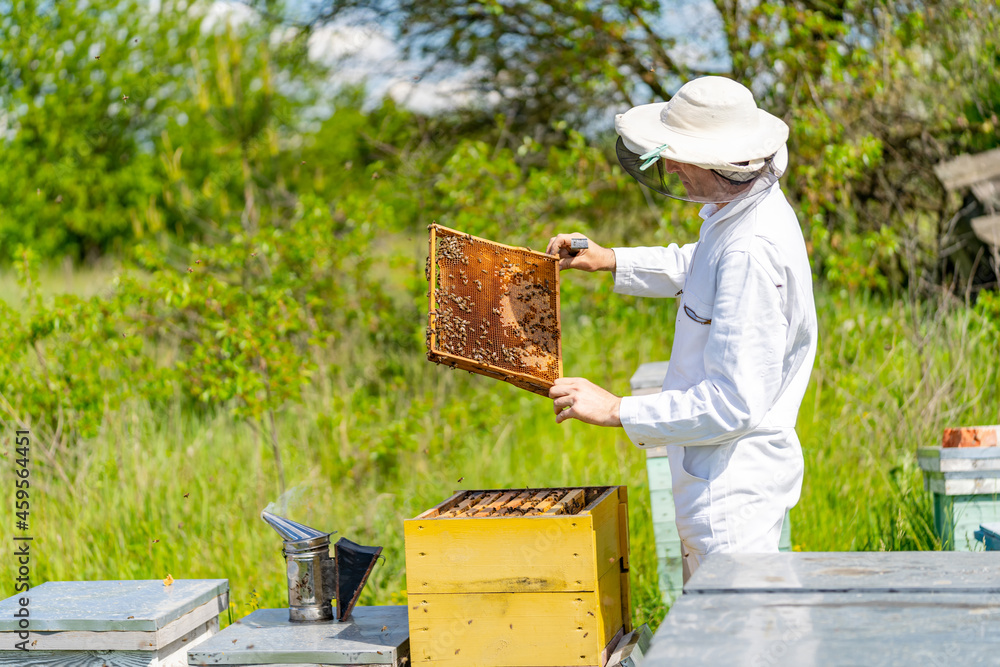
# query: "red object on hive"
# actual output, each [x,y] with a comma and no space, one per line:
[970,436]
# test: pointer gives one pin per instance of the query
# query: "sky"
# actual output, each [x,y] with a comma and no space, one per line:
[367,53]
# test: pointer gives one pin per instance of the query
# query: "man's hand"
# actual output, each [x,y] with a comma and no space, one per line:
[578,398]
[593,258]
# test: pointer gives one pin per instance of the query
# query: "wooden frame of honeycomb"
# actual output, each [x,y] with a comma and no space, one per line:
[494,309]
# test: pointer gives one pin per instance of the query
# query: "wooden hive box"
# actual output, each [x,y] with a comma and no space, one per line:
[490,583]
[132,623]
[965,484]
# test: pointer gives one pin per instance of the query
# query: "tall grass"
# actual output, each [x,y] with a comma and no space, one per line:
[172,490]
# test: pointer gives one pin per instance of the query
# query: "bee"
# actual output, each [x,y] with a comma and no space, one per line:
[97,57]
[460,480]
[124,97]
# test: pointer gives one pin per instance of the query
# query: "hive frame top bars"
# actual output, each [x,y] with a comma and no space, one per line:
[494,309]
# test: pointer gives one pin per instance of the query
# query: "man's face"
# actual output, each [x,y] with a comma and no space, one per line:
[701,184]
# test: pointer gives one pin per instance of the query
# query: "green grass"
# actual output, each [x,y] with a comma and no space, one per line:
[172,490]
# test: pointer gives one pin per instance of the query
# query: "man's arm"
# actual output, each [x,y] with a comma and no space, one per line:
[652,272]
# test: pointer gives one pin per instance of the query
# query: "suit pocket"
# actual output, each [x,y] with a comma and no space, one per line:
[696,309]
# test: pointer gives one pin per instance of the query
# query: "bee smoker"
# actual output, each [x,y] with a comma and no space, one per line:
[314,578]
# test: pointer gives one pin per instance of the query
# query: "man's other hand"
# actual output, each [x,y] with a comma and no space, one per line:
[592,258]
[579,398]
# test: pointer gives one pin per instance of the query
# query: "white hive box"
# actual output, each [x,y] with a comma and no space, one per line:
[135,623]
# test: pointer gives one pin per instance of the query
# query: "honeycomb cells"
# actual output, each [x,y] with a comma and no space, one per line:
[494,310]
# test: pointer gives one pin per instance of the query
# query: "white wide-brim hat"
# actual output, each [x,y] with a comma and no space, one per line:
[712,122]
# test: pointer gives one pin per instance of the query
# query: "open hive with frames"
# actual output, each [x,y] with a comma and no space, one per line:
[494,309]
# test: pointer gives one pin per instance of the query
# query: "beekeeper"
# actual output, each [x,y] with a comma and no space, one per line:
[745,331]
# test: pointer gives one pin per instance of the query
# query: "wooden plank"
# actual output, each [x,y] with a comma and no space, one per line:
[80,659]
[491,508]
[470,499]
[500,554]
[848,572]
[965,170]
[658,472]
[571,503]
[610,601]
[532,502]
[670,574]
[656,452]
[959,452]
[987,228]
[666,536]
[960,465]
[90,640]
[267,636]
[173,654]
[118,606]
[623,545]
[511,629]
[961,484]
[550,500]
[445,506]
[626,601]
[830,629]
[607,541]
[649,377]
[661,506]
[519,500]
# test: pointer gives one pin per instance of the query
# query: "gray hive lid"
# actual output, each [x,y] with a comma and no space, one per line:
[649,375]
[112,606]
[372,635]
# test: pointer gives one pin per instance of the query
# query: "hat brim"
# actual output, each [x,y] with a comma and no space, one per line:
[642,131]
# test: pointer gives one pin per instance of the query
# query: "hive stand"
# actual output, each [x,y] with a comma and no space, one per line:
[369,636]
[113,623]
[965,484]
[648,379]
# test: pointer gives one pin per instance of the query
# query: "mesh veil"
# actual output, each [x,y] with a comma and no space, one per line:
[697,185]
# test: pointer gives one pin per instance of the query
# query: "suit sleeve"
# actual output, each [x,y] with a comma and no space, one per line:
[654,272]
[743,367]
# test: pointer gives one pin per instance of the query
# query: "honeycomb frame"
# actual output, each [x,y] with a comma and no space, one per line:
[493,309]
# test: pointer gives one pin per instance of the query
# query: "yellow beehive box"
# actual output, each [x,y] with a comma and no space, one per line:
[519,578]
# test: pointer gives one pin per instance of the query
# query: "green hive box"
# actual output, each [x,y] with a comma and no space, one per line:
[965,485]
[648,379]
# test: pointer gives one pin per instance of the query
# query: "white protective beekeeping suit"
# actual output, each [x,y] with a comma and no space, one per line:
[743,349]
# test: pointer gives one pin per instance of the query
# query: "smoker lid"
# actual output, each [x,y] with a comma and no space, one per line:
[295,534]
[354,564]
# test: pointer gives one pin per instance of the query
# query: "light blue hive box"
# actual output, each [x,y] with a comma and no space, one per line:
[648,379]
[132,623]
[965,485]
